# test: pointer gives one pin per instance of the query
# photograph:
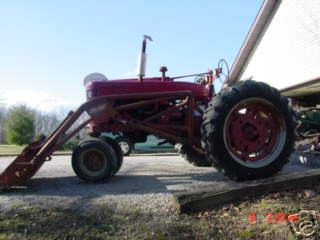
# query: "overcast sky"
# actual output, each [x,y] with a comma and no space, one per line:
[48,47]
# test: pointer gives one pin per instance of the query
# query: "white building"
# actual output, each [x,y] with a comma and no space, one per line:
[282,48]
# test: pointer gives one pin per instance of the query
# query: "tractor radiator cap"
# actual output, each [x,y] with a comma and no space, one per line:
[94,77]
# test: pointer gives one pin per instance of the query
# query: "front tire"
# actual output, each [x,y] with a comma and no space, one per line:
[117,150]
[248,131]
[94,160]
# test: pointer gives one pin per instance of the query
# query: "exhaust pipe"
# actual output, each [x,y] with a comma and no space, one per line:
[143,57]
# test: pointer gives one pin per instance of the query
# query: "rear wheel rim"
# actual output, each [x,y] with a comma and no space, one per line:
[254,132]
[125,148]
[93,162]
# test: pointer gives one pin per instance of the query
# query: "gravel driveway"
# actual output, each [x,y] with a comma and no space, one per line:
[145,182]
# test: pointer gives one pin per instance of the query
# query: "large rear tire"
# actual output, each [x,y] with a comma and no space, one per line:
[193,157]
[94,160]
[248,131]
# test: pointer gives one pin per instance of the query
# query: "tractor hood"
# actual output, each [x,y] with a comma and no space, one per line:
[148,85]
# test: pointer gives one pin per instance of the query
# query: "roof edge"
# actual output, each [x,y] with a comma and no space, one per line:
[291,91]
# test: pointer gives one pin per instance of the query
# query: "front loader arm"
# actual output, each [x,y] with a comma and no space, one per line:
[102,109]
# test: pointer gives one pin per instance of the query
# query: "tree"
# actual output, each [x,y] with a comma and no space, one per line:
[20,125]
[3,116]
[46,123]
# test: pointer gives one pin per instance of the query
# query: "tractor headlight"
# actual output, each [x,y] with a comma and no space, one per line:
[89,94]
[94,77]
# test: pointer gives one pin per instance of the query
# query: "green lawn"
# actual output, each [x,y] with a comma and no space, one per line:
[10,149]
[6,149]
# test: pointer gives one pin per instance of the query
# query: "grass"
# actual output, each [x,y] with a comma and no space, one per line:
[230,221]
[10,149]
[6,149]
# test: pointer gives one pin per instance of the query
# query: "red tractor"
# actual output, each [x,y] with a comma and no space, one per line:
[246,131]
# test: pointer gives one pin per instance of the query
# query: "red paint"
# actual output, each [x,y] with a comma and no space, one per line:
[251,133]
[148,85]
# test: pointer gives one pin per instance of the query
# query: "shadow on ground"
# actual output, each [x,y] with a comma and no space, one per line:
[72,186]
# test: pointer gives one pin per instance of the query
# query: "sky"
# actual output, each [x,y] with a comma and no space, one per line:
[48,47]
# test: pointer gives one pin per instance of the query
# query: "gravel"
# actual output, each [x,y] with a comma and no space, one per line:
[145,182]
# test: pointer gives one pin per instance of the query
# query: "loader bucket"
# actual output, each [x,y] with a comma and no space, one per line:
[22,168]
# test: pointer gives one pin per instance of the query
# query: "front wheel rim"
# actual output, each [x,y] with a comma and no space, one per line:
[125,148]
[93,162]
[254,132]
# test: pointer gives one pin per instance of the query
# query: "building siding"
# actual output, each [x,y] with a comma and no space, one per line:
[288,52]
